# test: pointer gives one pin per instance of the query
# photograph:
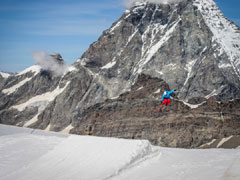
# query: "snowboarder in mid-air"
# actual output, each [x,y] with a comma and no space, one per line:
[166,99]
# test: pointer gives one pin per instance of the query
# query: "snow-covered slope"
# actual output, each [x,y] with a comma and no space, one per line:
[27,154]
[15,87]
[34,69]
[4,75]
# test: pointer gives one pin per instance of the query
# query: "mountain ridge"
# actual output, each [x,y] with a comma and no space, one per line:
[170,43]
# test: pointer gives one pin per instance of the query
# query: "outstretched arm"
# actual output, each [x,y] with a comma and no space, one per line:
[172,91]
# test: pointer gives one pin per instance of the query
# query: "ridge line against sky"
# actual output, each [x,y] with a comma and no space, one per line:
[67,27]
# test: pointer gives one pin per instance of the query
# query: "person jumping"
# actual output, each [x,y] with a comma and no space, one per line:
[166,99]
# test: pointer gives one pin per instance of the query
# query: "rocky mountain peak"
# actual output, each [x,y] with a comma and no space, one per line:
[116,84]
[176,42]
[58,58]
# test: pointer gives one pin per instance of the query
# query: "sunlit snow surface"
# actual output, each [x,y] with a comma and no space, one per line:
[27,154]
[4,75]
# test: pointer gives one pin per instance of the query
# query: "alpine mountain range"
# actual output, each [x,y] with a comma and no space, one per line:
[116,85]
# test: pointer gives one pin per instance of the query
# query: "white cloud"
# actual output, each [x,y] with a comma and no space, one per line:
[129,3]
[49,63]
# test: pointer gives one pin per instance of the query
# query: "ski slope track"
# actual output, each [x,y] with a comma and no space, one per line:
[28,154]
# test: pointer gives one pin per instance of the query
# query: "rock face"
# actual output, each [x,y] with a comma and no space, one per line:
[177,43]
[133,115]
[117,83]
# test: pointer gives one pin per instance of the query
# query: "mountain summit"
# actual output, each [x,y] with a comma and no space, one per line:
[189,46]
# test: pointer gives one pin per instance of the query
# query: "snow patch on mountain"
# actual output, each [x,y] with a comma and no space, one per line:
[33,120]
[193,106]
[40,99]
[140,88]
[115,26]
[66,130]
[224,66]
[12,89]
[223,141]
[71,69]
[189,67]
[155,48]
[158,91]
[213,93]
[109,65]
[208,144]
[4,75]
[34,69]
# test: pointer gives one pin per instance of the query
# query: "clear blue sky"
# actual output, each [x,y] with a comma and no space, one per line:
[67,27]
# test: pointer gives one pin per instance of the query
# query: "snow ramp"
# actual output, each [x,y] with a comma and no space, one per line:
[68,157]
[27,154]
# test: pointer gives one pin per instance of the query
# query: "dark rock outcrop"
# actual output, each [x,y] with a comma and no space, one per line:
[133,115]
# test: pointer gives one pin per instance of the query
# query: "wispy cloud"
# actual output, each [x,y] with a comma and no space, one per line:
[49,63]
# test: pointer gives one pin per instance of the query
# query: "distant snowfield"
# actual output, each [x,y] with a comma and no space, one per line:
[4,75]
[27,154]
[15,87]
[48,96]
[34,69]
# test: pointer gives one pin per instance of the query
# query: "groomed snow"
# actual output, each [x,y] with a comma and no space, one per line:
[33,154]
